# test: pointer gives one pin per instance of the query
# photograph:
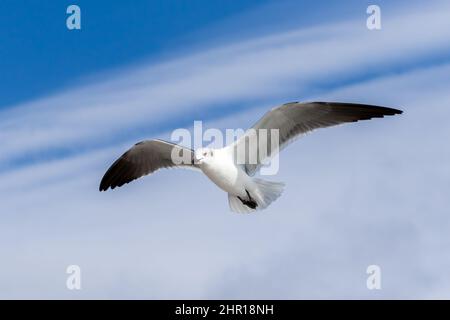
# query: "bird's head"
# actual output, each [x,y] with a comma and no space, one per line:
[203,155]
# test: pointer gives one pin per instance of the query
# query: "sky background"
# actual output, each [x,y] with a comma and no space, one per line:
[368,193]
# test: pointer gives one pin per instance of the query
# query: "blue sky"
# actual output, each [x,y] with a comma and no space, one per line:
[37,46]
[366,193]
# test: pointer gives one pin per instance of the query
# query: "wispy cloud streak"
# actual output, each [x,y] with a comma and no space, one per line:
[290,64]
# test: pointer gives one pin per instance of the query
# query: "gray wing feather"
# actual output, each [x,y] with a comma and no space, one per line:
[144,158]
[294,119]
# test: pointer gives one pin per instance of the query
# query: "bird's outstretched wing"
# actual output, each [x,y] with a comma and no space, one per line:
[294,119]
[144,158]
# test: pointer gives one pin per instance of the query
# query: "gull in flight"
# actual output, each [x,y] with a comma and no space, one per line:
[245,192]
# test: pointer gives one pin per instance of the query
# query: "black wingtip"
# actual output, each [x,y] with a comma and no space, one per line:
[386,110]
[393,111]
[379,111]
[102,187]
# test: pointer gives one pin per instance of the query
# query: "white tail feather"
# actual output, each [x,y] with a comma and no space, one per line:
[268,192]
[265,193]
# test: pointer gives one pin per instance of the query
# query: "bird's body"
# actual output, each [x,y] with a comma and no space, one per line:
[222,170]
[232,168]
[220,167]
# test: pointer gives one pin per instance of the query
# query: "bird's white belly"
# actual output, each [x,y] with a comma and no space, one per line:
[227,177]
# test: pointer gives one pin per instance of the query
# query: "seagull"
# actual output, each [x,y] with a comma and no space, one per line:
[246,193]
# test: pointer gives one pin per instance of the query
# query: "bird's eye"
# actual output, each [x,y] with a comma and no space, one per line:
[204,153]
[211,153]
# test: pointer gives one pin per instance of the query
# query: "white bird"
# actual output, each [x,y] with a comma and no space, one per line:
[245,193]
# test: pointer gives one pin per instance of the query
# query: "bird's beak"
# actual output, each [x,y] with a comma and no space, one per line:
[199,160]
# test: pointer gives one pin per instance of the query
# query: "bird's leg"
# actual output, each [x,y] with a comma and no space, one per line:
[249,196]
[250,202]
